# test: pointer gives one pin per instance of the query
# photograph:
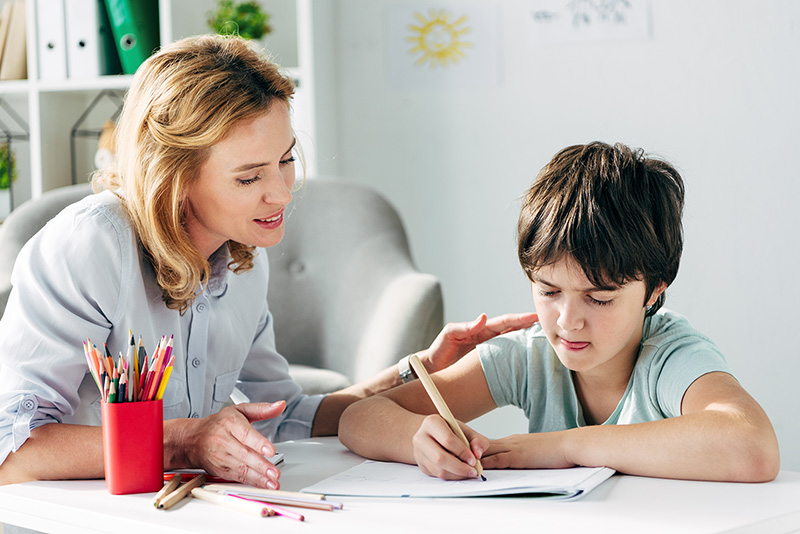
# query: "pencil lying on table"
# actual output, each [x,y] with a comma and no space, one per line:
[242,505]
[441,406]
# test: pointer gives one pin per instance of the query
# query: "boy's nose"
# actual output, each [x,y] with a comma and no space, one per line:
[570,318]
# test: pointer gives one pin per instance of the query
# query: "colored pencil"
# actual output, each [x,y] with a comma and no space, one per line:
[168,488]
[242,505]
[176,496]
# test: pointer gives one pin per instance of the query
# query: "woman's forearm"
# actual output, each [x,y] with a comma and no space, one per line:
[56,451]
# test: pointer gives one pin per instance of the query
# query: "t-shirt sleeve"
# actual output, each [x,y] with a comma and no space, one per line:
[679,364]
[504,360]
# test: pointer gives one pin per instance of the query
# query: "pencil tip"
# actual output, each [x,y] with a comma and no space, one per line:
[483,478]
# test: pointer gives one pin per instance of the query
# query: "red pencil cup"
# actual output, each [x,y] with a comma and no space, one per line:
[133,446]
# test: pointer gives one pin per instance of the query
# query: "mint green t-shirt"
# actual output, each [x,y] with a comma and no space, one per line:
[522,370]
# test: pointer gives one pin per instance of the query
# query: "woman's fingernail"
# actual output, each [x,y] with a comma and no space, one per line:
[473,473]
[272,473]
[267,452]
[272,485]
[471,461]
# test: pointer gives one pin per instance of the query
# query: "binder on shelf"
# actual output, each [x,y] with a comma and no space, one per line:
[134,24]
[91,51]
[5,20]
[51,40]
[14,65]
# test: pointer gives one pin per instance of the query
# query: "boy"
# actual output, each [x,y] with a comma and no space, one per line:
[605,378]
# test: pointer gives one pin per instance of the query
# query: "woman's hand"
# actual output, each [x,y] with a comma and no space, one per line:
[226,444]
[440,453]
[457,339]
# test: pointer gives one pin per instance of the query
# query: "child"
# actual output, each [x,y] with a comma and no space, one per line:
[607,377]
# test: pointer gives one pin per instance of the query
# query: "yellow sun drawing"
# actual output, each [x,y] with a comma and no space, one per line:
[438,38]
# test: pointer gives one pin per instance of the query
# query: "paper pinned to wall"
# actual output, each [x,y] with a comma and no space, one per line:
[590,20]
[443,47]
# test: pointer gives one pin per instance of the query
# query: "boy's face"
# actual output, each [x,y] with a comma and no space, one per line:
[593,331]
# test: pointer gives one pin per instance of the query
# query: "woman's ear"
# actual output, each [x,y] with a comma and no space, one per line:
[660,288]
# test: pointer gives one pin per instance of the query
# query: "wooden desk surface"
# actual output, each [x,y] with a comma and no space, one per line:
[622,504]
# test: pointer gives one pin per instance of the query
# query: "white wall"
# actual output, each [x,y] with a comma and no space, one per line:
[714,91]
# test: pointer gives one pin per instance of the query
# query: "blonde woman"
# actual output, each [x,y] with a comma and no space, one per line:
[168,245]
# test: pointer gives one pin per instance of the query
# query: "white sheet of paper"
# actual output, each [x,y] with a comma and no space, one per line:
[388,479]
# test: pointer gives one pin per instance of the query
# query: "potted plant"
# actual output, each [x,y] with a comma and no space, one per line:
[245,19]
[6,178]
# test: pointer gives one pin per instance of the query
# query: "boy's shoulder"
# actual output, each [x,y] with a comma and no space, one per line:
[667,328]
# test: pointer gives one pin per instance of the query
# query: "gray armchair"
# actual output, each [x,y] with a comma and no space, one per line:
[346,298]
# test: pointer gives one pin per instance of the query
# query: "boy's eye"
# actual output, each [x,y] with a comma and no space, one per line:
[600,302]
[547,293]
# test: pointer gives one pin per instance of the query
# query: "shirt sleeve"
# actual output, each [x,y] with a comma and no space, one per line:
[680,363]
[504,361]
[265,378]
[66,285]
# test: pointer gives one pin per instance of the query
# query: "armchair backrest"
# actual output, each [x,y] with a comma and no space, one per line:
[343,290]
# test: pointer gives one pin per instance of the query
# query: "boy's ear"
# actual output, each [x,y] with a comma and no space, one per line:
[660,288]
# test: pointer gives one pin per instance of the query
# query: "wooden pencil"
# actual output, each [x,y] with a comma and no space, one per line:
[243,505]
[441,405]
[176,496]
[168,488]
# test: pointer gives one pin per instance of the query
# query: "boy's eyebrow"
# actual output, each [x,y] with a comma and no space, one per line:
[589,289]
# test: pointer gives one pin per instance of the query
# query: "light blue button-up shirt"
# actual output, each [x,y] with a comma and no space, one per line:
[84,275]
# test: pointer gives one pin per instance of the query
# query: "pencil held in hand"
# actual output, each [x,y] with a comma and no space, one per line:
[441,406]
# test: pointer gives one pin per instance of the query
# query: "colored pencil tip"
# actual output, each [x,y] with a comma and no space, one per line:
[483,478]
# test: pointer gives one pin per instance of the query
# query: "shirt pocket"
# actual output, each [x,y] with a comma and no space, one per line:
[174,401]
[223,387]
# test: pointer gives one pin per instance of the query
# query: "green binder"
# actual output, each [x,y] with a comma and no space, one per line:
[134,24]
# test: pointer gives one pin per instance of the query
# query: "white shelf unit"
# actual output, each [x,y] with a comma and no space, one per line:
[51,108]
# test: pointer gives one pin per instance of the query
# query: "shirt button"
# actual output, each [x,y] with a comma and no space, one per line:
[201,307]
[195,415]
[196,362]
[28,405]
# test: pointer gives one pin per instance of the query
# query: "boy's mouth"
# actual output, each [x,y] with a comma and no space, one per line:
[574,345]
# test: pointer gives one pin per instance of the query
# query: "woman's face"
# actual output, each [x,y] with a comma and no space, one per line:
[243,188]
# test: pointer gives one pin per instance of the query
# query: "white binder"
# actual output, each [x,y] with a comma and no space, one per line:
[51,39]
[85,51]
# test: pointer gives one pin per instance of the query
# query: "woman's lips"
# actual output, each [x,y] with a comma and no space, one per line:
[574,345]
[271,222]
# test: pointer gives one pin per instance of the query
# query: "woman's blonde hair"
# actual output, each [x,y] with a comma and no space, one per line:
[183,100]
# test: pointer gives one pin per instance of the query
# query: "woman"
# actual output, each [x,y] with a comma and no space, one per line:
[203,174]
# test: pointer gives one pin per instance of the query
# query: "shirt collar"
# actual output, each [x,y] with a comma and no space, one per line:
[219,272]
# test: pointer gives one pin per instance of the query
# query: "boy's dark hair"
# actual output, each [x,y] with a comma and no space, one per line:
[616,212]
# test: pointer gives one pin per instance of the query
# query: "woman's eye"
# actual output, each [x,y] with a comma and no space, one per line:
[248,181]
[287,161]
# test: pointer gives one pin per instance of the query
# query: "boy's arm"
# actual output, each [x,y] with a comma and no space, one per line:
[722,435]
[402,424]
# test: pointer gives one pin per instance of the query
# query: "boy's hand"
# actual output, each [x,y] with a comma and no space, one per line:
[440,453]
[226,444]
[457,339]
[544,450]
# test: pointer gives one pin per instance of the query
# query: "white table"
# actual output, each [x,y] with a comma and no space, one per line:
[621,504]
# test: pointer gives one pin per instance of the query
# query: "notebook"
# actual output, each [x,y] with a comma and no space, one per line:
[389,479]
